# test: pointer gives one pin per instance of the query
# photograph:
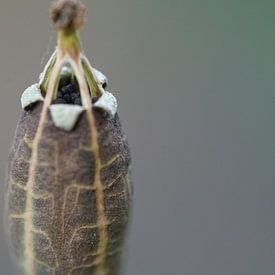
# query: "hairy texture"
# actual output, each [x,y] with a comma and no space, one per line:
[67,14]
[65,225]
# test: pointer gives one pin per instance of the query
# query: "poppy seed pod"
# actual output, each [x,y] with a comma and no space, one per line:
[69,193]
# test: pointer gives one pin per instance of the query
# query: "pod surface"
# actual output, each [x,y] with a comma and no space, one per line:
[66,229]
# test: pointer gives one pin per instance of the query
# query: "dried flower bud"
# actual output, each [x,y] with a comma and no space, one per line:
[66,14]
[69,192]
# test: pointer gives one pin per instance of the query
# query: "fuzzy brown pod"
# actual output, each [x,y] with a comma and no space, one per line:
[69,193]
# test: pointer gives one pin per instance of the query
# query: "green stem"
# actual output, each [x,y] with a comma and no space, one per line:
[69,43]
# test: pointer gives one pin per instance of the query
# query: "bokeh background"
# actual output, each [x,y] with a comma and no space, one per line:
[195,81]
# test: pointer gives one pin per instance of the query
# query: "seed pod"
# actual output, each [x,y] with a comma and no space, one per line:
[69,194]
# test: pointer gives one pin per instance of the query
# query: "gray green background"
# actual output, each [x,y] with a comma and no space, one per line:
[195,80]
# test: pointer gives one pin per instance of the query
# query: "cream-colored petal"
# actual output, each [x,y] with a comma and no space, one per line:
[65,116]
[108,103]
[30,96]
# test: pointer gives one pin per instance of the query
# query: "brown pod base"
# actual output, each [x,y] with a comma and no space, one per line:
[68,220]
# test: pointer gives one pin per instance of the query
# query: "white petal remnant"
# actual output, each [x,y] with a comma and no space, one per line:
[65,116]
[30,96]
[100,78]
[108,103]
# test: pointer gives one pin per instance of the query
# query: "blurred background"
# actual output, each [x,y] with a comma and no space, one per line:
[195,81]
